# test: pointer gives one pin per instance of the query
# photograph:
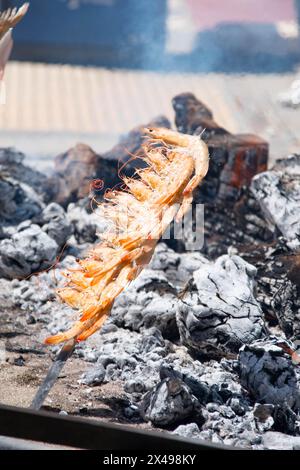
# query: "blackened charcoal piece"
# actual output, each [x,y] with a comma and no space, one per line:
[278,193]
[170,402]
[21,188]
[276,418]
[18,201]
[11,164]
[268,374]
[192,116]
[286,305]
[29,250]
[234,159]
[285,420]
[199,389]
[220,313]
[87,226]
[56,224]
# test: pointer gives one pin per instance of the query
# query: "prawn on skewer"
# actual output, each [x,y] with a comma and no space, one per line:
[138,217]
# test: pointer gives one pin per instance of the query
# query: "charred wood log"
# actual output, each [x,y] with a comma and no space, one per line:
[235,159]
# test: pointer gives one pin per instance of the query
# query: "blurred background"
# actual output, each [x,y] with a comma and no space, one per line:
[90,70]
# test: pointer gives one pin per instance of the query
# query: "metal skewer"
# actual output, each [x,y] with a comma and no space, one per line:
[53,372]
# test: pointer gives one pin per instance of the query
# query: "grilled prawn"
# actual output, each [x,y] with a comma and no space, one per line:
[138,216]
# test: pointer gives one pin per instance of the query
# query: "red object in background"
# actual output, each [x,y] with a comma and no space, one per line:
[208,13]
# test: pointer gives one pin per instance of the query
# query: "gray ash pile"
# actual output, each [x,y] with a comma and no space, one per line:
[203,343]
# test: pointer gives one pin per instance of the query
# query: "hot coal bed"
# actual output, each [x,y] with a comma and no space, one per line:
[204,343]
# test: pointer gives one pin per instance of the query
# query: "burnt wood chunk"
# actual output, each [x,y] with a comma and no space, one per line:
[278,193]
[234,159]
[75,170]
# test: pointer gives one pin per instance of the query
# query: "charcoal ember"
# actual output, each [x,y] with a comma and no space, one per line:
[219,313]
[86,225]
[11,164]
[278,283]
[285,419]
[149,301]
[29,250]
[169,403]
[278,193]
[286,305]
[226,227]
[268,374]
[74,172]
[215,227]
[18,201]
[234,159]
[55,223]
[199,389]
[130,145]
[264,416]
[192,116]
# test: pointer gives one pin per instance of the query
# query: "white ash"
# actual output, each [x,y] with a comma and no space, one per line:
[279,441]
[170,402]
[152,299]
[221,380]
[138,359]
[178,267]
[267,372]
[32,294]
[149,301]
[28,250]
[34,244]
[220,313]
[131,357]
[223,427]
[286,304]
[278,193]
[55,223]
[190,430]
[86,225]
